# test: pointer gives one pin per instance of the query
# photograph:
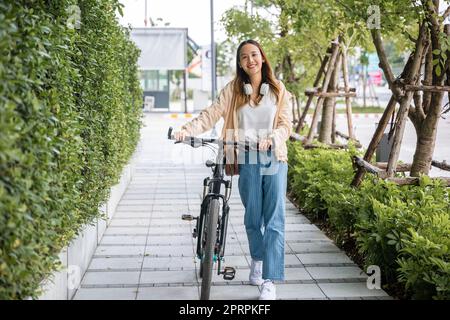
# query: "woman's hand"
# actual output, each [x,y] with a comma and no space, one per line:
[264,144]
[180,135]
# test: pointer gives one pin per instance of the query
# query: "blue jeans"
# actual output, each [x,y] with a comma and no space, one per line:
[262,187]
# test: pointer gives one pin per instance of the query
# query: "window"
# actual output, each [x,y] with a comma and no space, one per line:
[154,80]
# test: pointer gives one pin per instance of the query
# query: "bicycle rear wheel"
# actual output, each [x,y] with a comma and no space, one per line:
[208,257]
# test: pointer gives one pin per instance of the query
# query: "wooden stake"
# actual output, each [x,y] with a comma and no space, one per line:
[441,165]
[318,110]
[310,98]
[376,139]
[415,180]
[348,104]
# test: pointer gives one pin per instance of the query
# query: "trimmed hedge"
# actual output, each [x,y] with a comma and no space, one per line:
[402,229]
[70,114]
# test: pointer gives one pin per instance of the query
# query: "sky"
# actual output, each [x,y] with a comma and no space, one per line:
[191,14]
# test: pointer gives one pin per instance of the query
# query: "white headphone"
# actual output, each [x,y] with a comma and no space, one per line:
[248,89]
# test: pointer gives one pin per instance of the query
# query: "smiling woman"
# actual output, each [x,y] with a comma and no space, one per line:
[255,108]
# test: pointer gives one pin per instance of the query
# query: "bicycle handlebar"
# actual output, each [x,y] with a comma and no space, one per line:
[197,142]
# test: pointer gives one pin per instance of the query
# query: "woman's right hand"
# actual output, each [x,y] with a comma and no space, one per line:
[180,135]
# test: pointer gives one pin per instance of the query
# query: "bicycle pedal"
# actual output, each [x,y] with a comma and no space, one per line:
[187,217]
[228,273]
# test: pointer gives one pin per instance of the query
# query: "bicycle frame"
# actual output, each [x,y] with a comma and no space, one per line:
[212,195]
[212,190]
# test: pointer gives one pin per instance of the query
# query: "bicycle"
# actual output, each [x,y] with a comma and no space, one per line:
[211,226]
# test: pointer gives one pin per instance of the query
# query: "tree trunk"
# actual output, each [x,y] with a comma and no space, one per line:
[327,120]
[426,129]
[426,138]
[326,127]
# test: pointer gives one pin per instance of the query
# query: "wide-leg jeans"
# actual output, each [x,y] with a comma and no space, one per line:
[262,188]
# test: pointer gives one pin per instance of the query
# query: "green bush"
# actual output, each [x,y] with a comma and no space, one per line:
[402,229]
[70,109]
[320,181]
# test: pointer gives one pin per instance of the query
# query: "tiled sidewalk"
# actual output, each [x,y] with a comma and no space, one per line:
[147,251]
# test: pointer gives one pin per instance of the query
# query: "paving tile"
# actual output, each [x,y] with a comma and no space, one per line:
[170,239]
[298,226]
[170,221]
[180,209]
[110,278]
[234,292]
[299,291]
[168,293]
[296,274]
[134,208]
[159,215]
[141,222]
[306,235]
[106,294]
[151,202]
[115,263]
[133,214]
[126,231]
[139,196]
[180,230]
[236,249]
[127,240]
[336,272]
[173,250]
[152,277]
[170,262]
[291,260]
[342,290]
[312,258]
[235,261]
[119,250]
[311,247]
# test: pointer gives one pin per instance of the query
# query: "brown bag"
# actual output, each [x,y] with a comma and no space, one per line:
[231,161]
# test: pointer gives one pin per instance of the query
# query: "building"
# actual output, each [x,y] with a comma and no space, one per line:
[163,51]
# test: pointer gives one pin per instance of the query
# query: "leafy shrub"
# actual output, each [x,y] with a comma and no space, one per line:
[402,229]
[70,108]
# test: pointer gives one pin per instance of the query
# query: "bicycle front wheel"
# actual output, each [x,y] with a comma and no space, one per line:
[210,242]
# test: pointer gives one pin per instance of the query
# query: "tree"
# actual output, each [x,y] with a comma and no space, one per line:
[419,95]
[296,35]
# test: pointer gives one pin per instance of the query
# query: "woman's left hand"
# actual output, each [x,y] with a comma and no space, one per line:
[264,144]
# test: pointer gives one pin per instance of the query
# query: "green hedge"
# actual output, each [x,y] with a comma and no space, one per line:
[402,229]
[70,114]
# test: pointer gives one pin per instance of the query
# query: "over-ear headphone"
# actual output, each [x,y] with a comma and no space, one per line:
[248,89]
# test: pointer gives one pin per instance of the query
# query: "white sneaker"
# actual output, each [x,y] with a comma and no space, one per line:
[256,273]
[268,291]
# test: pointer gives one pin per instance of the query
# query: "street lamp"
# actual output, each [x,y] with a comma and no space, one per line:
[213,61]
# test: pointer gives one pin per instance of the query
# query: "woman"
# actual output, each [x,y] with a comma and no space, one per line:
[254,106]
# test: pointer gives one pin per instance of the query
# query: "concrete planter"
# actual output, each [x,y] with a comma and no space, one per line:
[76,257]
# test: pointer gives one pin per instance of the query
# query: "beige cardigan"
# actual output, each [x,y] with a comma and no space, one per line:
[282,126]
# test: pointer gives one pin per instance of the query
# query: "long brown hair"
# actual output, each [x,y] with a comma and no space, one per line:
[240,98]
